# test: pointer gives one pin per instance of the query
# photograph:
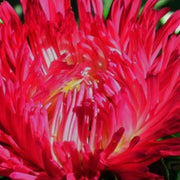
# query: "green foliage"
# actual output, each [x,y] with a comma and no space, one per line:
[1,22]
[107,6]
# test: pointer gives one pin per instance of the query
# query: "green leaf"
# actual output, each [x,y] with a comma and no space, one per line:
[107,6]
[178,176]
[166,169]
[18,9]
[1,22]
[177,134]
[160,4]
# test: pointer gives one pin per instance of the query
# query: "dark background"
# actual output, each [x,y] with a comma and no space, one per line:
[174,4]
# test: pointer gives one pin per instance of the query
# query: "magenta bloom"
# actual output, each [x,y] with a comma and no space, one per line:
[78,99]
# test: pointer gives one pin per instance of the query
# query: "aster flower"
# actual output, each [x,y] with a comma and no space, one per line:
[81,99]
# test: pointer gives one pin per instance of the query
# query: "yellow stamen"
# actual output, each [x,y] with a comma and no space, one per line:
[75,83]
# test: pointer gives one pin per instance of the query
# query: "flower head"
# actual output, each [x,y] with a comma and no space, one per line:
[81,99]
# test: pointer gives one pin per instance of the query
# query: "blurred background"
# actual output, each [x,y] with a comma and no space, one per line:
[168,167]
[174,4]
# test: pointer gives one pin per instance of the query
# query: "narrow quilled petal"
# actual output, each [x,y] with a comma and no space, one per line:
[79,99]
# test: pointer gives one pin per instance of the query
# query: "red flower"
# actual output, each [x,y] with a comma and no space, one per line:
[78,100]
